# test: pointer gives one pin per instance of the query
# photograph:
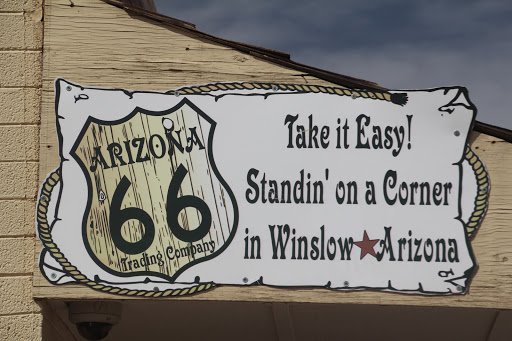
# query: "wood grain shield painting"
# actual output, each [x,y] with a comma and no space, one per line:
[156,203]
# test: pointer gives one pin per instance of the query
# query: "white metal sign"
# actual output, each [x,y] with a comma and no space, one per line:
[162,194]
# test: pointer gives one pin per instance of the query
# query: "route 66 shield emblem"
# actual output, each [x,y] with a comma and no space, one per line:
[156,204]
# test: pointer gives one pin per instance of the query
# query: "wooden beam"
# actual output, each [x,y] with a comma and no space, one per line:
[502,327]
[283,321]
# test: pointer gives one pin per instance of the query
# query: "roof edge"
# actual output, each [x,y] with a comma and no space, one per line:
[152,15]
[275,56]
[192,28]
[489,129]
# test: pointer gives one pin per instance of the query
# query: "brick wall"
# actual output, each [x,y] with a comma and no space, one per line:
[21,30]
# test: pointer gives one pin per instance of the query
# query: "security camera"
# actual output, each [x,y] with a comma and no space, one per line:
[94,319]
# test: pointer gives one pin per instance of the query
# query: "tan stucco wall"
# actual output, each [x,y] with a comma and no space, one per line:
[21,30]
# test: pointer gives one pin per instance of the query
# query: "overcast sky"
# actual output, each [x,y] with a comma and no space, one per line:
[398,44]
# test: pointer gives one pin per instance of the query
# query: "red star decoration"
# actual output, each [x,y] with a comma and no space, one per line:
[367,245]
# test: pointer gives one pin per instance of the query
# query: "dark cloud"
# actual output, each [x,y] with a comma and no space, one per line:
[399,44]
